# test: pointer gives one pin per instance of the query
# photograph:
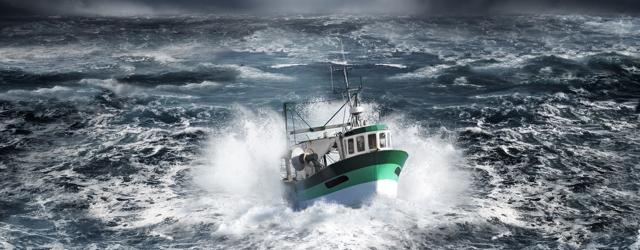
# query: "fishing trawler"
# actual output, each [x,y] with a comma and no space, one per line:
[347,163]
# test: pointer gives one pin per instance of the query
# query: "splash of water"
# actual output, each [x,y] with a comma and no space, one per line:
[431,177]
[243,158]
[242,163]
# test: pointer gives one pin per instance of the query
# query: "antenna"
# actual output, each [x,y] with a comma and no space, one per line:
[344,66]
[352,98]
[344,58]
[331,71]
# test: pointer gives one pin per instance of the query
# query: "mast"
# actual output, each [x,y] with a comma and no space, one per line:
[291,114]
[352,98]
[351,102]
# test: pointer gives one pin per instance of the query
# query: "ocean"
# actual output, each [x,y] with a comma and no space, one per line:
[166,132]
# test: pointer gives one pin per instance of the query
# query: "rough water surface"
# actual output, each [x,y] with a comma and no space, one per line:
[120,133]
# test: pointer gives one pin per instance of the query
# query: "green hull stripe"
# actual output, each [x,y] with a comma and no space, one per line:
[358,176]
[397,157]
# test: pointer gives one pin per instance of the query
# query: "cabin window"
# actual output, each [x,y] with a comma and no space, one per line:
[360,143]
[383,140]
[373,143]
[350,146]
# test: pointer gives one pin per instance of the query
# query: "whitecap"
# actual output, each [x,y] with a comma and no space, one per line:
[204,85]
[392,65]
[114,86]
[286,65]
[59,92]
[616,27]
[421,73]
[251,73]
[474,130]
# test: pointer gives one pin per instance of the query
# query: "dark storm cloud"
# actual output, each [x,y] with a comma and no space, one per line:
[162,7]
[536,5]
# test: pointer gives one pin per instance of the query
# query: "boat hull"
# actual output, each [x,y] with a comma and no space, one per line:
[353,181]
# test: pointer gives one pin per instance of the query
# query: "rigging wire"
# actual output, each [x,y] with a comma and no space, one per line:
[334,114]
[305,122]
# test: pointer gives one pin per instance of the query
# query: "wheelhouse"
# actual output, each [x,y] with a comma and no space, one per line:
[365,139]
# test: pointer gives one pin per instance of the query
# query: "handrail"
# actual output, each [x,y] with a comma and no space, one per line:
[317,129]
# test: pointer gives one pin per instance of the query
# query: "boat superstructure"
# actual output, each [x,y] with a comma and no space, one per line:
[349,162]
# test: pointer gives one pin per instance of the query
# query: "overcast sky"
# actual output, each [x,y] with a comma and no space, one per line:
[167,7]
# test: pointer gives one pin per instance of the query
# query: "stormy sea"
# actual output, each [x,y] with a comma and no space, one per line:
[167,132]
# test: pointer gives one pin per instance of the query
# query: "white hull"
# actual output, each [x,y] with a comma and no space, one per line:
[358,194]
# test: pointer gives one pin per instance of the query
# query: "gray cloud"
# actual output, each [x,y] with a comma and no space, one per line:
[167,7]
[90,7]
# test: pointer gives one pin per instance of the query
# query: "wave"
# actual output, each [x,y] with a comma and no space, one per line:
[25,78]
[421,73]
[392,65]
[55,92]
[310,46]
[286,65]
[205,85]
[114,86]
[206,72]
[619,26]
[182,77]
[549,73]
[250,73]
[514,140]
